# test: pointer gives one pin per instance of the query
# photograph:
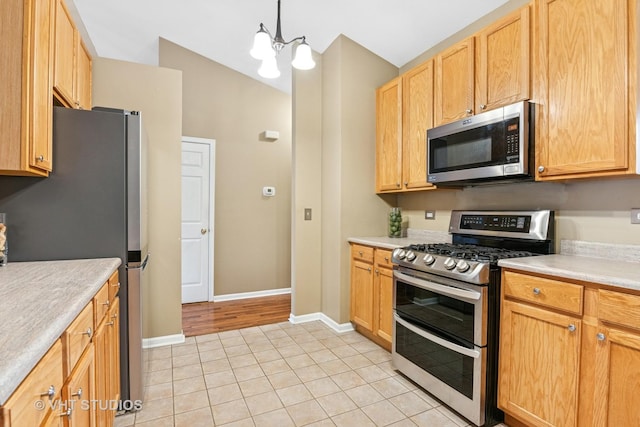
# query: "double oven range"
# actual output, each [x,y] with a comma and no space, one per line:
[447,306]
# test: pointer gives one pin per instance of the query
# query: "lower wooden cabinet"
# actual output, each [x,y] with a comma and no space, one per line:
[77,382]
[567,358]
[372,293]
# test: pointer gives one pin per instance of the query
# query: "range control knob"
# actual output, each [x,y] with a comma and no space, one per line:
[449,263]
[411,256]
[399,253]
[463,266]
[429,259]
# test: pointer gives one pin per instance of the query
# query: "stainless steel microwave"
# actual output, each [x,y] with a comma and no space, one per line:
[489,147]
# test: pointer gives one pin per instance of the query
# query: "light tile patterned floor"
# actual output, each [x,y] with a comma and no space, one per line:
[282,375]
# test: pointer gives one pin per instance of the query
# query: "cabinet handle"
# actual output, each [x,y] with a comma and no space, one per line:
[536,291]
[88,332]
[116,285]
[571,327]
[360,252]
[469,111]
[50,392]
[40,158]
[540,169]
[483,106]
[67,413]
[109,324]
[114,316]
[386,259]
[106,303]
[600,336]
[78,393]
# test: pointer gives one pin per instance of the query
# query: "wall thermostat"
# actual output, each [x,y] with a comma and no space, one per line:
[268,191]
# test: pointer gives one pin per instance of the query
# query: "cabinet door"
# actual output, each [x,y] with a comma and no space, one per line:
[64,56]
[454,86]
[539,365]
[389,136]
[40,110]
[362,294]
[417,117]
[617,378]
[79,393]
[102,373]
[503,62]
[113,350]
[83,76]
[383,290]
[582,83]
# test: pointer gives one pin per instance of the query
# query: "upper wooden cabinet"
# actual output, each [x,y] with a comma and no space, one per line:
[454,82]
[389,136]
[404,113]
[503,61]
[72,62]
[26,62]
[585,88]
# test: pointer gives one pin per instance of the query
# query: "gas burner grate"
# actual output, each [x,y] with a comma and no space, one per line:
[469,252]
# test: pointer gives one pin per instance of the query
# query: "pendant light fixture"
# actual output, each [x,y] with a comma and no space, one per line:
[266,47]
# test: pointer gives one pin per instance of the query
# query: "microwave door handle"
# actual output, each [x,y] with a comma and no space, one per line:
[465,295]
[444,343]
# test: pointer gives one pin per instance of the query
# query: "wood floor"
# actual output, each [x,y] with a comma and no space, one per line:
[203,318]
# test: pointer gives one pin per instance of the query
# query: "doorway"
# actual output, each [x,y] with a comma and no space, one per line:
[198,191]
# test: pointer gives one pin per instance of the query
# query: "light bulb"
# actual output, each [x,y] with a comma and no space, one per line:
[303,59]
[262,45]
[269,68]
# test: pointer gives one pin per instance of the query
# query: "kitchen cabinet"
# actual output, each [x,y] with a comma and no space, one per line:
[454,82]
[503,62]
[72,62]
[585,88]
[78,380]
[26,121]
[404,113]
[372,293]
[577,344]
[107,359]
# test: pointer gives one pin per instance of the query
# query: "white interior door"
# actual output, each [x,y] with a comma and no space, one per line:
[197,219]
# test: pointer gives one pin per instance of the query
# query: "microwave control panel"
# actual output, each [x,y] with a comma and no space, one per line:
[512,141]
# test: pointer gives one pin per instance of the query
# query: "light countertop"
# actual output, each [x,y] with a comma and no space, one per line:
[38,301]
[621,274]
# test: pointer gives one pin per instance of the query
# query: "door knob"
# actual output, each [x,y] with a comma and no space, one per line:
[203,231]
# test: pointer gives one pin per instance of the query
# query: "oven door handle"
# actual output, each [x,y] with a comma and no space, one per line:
[450,291]
[444,343]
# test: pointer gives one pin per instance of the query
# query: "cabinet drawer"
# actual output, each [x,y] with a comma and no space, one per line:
[616,307]
[365,253]
[77,337]
[546,292]
[101,304]
[114,286]
[383,258]
[29,404]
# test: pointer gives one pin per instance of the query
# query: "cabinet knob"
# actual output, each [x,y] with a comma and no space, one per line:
[386,259]
[469,111]
[109,324]
[398,185]
[377,272]
[406,183]
[369,269]
[50,392]
[360,252]
[600,336]
[116,285]
[106,303]
[571,327]
[540,169]
[78,393]
[483,106]
[67,413]
[536,291]
[88,332]
[40,158]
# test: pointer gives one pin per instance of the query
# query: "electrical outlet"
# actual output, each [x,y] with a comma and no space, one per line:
[307,214]
[429,214]
[635,215]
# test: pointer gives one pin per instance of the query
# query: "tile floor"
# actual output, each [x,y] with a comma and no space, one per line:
[282,375]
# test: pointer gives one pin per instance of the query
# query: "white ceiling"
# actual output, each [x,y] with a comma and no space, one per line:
[223,30]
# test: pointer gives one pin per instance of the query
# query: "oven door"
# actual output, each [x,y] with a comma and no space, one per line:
[456,375]
[450,309]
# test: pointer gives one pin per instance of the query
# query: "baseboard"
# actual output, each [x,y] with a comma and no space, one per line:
[338,327]
[257,294]
[162,341]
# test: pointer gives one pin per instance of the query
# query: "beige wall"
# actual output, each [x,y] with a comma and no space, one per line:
[234,109]
[349,205]
[306,271]
[596,211]
[156,93]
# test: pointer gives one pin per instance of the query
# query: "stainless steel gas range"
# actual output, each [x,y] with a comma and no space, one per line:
[446,306]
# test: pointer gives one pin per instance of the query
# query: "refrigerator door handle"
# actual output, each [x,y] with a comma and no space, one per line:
[142,266]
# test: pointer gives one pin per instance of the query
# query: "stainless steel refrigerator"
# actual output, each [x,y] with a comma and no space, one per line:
[92,205]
